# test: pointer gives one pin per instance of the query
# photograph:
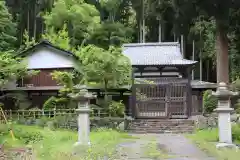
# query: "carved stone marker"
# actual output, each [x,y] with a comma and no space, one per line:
[82,96]
[224,109]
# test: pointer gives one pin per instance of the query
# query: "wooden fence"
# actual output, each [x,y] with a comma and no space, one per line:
[96,113]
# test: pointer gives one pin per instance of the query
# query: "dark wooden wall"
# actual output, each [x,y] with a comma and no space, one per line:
[43,78]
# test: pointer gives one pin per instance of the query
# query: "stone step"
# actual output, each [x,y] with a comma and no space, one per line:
[166,127]
[159,123]
[162,126]
[165,122]
[161,131]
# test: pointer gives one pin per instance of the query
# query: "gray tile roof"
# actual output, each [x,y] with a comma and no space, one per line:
[197,84]
[164,53]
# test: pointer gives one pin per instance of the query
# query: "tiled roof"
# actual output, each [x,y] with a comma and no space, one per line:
[46,44]
[155,54]
[194,83]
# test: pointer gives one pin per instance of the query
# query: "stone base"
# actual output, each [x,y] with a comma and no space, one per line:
[81,144]
[225,145]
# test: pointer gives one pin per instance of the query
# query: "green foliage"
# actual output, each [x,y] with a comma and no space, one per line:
[28,42]
[66,79]
[20,98]
[11,68]
[47,144]
[234,57]
[205,32]
[63,78]
[209,102]
[58,38]
[111,6]
[50,103]
[28,136]
[236,85]
[116,108]
[107,67]
[7,29]
[80,17]
[111,33]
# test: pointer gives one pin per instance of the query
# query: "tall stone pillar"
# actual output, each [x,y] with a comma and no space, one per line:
[224,110]
[83,111]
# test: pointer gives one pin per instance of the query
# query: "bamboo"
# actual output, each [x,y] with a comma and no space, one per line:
[5,119]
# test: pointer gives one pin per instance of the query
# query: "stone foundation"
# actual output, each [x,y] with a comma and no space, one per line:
[161,126]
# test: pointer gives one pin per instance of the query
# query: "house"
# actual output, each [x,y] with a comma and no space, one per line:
[45,58]
[162,85]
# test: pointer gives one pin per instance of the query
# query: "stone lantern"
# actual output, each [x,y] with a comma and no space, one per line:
[224,110]
[82,96]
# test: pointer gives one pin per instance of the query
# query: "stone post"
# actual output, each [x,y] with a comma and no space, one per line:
[224,109]
[83,111]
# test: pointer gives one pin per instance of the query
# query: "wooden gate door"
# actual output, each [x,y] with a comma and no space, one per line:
[151,100]
[177,100]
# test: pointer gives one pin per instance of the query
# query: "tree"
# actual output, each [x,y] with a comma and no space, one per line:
[67,80]
[11,68]
[7,29]
[79,16]
[204,33]
[111,33]
[59,38]
[220,11]
[106,67]
[111,7]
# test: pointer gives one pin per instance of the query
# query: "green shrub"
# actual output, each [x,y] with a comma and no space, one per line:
[236,102]
[39,122]
[3,129]
[50,103]
[209,102]
[51,125]
[21,121]
[29,121]
[236,132]
[28,136]
[116,108]
[237,107]
[236,85]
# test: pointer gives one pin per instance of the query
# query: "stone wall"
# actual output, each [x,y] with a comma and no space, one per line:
[70,122]
[211,120]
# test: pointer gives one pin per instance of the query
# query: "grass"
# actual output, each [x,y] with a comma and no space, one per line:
[206,140]
[152,151]
[50,145]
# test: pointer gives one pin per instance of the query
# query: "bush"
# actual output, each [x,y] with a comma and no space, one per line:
[209,102]
[50,103]
[39,122]
[236,85]
[3,129]
[236,132]
[116,108]
[28,136]
[237,106]
[21,121]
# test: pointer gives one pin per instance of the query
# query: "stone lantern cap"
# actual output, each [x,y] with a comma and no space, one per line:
[223,91]
[81,93]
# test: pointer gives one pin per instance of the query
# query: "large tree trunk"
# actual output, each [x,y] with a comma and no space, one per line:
[222,55]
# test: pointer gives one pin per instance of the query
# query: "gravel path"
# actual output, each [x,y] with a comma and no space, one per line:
[177,147]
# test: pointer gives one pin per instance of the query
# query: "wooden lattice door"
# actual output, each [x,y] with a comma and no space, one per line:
[177,100]
[151,101]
